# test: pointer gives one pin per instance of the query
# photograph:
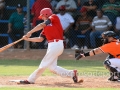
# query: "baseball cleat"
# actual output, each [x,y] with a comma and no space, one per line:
[75,77]
[118,80]
[24,82]
[21,81]
[112,78]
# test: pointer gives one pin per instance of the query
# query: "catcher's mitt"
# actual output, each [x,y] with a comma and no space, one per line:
[78,53]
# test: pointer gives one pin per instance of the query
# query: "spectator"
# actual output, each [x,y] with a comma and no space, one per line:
[100,24]
[78,3]
[111,9]
[66,20]
[82,27]
[100,3]
[91,6]
[35,11]
[2,7]
[53,4]
[69,4]
[3,16]
[31,3]
[83,1]
[117,26]
[16,25]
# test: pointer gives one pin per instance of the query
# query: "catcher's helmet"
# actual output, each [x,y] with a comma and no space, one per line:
[109,34]
[46,12]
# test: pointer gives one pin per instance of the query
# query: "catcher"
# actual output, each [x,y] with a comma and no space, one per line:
[111,45]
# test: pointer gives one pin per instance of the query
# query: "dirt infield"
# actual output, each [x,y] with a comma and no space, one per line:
[34,54]
[57,81]
[54,81]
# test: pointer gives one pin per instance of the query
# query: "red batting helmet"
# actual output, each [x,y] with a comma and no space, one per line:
[46,12]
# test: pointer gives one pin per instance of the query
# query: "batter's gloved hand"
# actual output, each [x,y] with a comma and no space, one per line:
[78,53]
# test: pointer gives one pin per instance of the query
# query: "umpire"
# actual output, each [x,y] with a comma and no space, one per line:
[112,47]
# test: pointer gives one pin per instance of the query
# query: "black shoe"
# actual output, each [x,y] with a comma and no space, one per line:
[118,80]
[112,79]
[24,82]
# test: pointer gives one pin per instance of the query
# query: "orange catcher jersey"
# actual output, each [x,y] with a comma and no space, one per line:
[112,48]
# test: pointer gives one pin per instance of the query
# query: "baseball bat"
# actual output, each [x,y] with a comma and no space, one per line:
[9,45]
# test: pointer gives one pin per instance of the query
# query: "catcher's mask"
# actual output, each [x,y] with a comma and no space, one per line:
[106,35]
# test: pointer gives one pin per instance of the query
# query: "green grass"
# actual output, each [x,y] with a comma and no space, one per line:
[26,67]
[23,88]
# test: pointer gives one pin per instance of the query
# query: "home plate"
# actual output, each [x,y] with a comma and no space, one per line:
[16,81]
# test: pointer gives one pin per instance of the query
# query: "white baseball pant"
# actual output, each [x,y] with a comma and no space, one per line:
[54,50]
[115,62]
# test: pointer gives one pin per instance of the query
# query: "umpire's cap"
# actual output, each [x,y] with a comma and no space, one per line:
[109,34]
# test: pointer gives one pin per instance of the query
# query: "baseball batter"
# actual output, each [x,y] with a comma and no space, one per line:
[112,47]
[53,32]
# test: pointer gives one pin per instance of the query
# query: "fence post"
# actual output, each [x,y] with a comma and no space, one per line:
[26,43]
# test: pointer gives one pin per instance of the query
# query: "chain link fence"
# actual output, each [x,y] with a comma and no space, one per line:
[73,38]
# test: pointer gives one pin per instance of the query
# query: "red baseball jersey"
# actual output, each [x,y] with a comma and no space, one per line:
[53,30]
[113,48]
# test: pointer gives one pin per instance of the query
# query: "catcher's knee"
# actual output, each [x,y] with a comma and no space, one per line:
[107,64]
